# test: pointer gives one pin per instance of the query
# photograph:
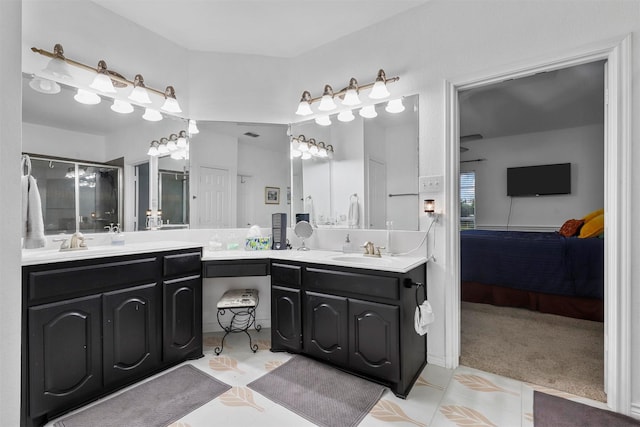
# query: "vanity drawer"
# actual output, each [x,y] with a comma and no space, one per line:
[285,274]
[62,283]
[236,268]
[181,264]
[352,283]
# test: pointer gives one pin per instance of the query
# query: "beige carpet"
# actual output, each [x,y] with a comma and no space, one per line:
[554,351]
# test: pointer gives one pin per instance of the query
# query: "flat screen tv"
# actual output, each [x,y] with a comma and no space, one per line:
[539,180]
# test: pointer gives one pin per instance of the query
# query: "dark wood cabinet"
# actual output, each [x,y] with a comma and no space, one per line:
[182,329]
[358,319]
[286,322]
[374,339]
[65,353]
[326,334]
[93,326]
[130,328]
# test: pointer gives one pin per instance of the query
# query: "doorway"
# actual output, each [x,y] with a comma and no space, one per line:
[617,207]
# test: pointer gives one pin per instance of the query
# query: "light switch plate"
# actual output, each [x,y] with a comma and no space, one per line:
[431,184]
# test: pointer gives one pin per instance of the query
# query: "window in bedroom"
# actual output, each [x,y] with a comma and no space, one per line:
[467,200]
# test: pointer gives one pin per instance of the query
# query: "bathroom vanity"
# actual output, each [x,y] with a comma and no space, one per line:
[95,322]
[358,319]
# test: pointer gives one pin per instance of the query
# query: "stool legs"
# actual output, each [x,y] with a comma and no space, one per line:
[241,321]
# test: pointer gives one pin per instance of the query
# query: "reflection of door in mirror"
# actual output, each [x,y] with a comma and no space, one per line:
[213,197]
[87,202]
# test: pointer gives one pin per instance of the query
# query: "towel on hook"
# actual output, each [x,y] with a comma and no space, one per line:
[354,211]
[32,222]
[423,318]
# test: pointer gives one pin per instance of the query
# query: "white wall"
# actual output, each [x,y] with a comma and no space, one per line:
[10,148]
[347,167]
[57,142]
[583,147]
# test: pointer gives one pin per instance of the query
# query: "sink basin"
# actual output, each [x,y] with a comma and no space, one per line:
[361,259]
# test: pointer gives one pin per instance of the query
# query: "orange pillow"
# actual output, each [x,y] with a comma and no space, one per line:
[588,217]
[593,228]
[571,227]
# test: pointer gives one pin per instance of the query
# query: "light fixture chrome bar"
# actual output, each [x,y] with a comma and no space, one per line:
[58,53]
[343,91]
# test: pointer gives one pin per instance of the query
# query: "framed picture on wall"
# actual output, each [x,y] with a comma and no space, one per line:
[272,195]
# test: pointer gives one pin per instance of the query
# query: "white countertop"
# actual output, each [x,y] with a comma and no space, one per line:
[398,264]
[46,256]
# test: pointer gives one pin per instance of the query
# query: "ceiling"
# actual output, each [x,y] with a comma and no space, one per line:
[564,98]
[278,28]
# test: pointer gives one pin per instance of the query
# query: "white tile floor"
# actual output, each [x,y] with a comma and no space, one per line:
[440,397]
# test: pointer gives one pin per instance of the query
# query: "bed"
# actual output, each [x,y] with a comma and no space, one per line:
[546,272]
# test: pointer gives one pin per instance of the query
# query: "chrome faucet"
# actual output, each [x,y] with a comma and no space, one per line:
[372,250]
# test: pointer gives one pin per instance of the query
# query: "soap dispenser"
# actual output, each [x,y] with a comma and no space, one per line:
[346,247]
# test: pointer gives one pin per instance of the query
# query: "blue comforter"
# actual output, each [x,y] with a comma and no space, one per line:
[532,261]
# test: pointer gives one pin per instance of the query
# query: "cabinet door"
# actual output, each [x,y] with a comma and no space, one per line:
[326,334]
[374,339]
[65,354]
[182,325]
[286,322]
[130,327]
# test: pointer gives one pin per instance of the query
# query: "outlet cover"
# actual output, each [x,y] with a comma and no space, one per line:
[431,184]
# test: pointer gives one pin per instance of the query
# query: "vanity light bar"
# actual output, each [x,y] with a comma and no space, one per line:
[117,79]
[348,94]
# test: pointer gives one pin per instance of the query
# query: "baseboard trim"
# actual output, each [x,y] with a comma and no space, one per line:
[436,360]
[635,410]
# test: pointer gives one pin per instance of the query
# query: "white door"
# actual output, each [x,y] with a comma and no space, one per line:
[213,197]
[377,196]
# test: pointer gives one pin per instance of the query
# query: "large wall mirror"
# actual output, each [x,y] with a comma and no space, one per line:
[239,174]
[369,181]
[57,127]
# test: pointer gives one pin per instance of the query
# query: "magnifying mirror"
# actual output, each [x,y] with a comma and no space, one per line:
[303,230]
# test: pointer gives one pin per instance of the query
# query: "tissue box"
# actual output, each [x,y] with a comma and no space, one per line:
[257,244]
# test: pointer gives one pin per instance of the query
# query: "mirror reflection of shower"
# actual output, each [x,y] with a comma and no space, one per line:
[174,197]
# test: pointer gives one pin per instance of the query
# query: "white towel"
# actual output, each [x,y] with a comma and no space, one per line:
[423,318]
[354,211]
[32,222]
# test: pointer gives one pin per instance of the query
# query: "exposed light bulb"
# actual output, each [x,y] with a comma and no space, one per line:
[346,116]
[394,106]
[85,97]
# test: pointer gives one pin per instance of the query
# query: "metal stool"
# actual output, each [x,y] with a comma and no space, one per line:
[242,304]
